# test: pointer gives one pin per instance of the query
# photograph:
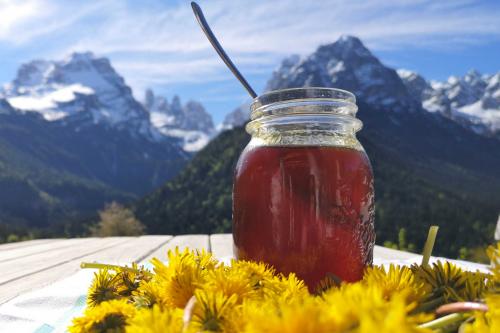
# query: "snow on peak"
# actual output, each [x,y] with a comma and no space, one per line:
[189,122]
[349,65]
[84,90]
[405,73]
[472,100]
[80,83]
[48,104]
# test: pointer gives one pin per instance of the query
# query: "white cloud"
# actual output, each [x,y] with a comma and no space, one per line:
[15,13]
[23,21]
[160,44]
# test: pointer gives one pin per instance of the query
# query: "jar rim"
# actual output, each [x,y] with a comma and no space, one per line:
[308,100]
[304,93]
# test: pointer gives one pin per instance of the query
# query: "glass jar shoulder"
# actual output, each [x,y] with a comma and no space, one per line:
[261,157]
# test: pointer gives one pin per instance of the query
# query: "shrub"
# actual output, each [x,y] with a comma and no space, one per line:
[12,238]
[117,220]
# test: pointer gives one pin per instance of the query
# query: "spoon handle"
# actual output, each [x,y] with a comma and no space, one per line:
[215,43]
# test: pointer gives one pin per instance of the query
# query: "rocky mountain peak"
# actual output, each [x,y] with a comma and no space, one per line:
[149,98]
[472,100]
[346,64]
[84,90]
[80,90]
[176,107]
[347,48]
[31,74]
[189,122]
[417,86]
[5,107]
[192,116]
[197,118]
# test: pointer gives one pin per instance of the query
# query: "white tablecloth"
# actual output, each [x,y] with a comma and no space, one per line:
[50,309]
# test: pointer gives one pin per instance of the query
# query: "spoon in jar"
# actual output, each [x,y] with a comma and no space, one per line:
[215,43]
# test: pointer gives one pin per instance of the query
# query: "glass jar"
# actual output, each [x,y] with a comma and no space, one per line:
[303,198]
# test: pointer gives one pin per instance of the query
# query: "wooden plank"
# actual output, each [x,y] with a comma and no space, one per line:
[193,242]
[133,251]
[10,246]
[221,245]
[385,253]
[12,270]
[111,250]
[37,249]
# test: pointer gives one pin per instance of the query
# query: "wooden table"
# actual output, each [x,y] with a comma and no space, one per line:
[30,265]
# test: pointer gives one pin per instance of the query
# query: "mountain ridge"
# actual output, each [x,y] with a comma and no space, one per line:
[338,65]
[85,90]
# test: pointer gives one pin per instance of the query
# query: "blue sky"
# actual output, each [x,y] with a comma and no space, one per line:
[158,44]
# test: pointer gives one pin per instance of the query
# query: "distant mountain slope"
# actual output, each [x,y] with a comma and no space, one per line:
[428,168]
[198,200]
[56,171]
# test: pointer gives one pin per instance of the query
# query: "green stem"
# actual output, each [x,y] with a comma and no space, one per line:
[95,265]
[429,245]
[447,321]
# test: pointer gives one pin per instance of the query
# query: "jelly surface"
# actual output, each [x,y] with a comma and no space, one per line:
[307,210]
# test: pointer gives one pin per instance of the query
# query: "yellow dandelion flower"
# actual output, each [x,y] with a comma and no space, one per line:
[392,316]
[103,288]
[184,273]
[128,280]
[148,294]
[395,280]
[287,288]
[365,306]
[231,281]
[304,316]
[449,283]
[156,320]
[494,254]
[214,312]
[488,322]
[107,317]
[257,272]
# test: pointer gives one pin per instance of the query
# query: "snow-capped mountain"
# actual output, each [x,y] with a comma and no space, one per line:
[190,122]
[349,65]
[236,118]
[345,64]
[472,100]
[85,90]
[82,88]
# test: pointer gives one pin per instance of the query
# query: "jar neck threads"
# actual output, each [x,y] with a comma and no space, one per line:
[305,116]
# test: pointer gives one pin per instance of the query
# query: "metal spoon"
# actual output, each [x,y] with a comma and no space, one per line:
[215,43]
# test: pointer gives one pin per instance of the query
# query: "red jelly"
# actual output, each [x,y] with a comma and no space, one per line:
[307,206]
